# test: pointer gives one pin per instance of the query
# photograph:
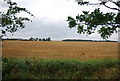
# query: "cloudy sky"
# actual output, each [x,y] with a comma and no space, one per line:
[50,19]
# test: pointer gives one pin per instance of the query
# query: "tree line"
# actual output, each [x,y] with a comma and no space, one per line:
[37,39]
[30,39]
[89,40]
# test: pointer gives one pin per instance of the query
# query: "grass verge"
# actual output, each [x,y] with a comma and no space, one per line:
[60,69]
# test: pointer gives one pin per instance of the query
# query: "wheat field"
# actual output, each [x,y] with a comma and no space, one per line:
[60,50]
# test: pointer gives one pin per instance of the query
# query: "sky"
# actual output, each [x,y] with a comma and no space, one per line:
[50,19]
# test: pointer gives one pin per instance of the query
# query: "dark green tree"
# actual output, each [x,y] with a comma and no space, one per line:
[49,39]
[10,21]
[105,23]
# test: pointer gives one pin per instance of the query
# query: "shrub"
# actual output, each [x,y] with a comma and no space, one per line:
[59,69]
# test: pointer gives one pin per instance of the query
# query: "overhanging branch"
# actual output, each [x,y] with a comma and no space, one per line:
[111,8]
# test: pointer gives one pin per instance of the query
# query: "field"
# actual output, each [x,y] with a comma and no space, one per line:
[60,60]
[60,50]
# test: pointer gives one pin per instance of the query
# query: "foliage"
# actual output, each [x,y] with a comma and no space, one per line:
[10,21]
[89,22]
[59,69]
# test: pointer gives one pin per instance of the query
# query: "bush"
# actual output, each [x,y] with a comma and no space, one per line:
[59,69]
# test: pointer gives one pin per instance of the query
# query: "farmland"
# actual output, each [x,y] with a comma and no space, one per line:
[60,50]
[60,60]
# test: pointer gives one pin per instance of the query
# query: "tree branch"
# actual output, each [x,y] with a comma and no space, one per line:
[103,3]
[110,7]
[116,3]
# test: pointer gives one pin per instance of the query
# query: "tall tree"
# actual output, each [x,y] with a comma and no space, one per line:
[10,21]
[88,22]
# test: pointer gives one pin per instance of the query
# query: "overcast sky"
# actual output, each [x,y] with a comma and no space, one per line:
[50,19]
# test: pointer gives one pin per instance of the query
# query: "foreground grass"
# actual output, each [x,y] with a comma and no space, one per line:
[60,69]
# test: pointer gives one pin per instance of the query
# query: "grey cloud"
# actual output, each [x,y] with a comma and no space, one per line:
[47,27]
[57,30]
[41,28]
[3,4]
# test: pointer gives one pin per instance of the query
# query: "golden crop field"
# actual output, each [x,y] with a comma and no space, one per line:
[60,50]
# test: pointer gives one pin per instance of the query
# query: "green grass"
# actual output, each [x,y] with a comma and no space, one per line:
[60,69]
[0,70]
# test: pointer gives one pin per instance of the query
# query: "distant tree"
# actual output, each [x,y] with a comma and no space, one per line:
[32,39]
[36,39]
[39,39]
[88,22]
[49,39]
[10,21]
[43,39]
